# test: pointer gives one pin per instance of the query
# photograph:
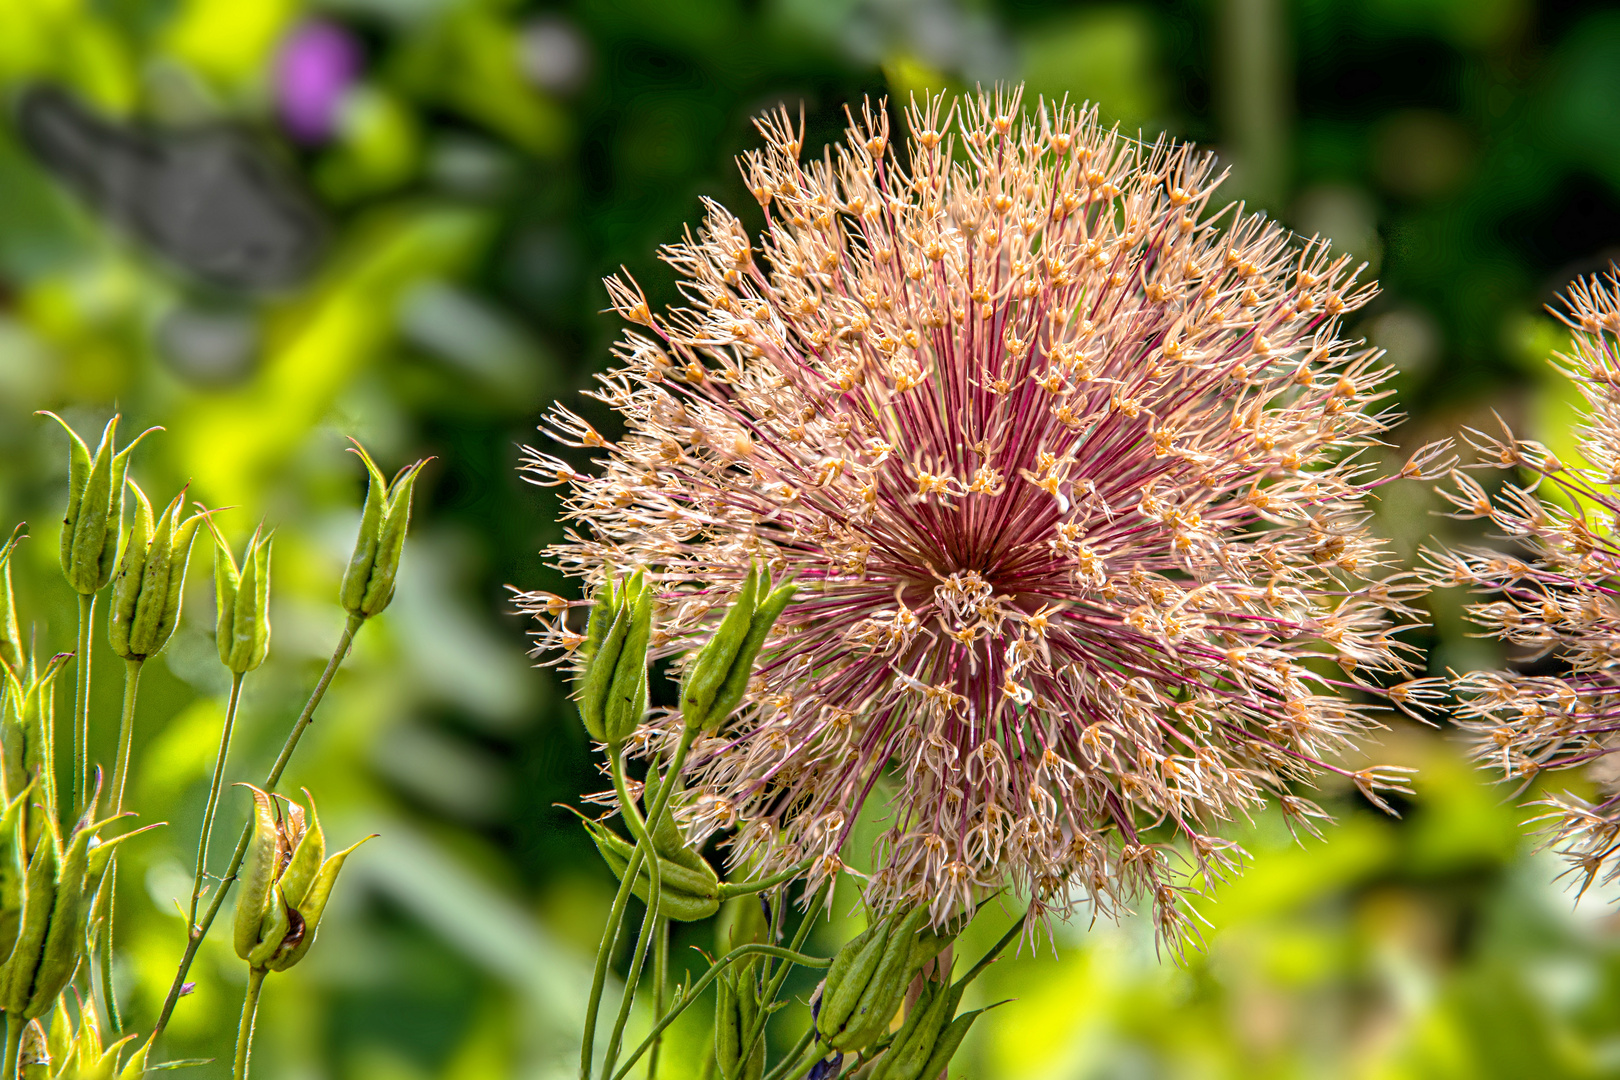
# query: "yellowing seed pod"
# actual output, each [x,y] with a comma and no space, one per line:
[242,602]
[149,588]
[286,883]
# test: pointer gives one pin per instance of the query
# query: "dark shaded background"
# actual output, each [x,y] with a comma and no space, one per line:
[265,225]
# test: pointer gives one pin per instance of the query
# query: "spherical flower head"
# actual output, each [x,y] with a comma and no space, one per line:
[1558,599]
[1064,466]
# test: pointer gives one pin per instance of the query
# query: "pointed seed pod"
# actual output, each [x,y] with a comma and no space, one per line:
[368,583]
[886,989]
[840,995]
[627,695]
[94,518]
[242,602]
[685,894]
[257,875]
[10,638]
[709,668]
[149,588]
[742,668]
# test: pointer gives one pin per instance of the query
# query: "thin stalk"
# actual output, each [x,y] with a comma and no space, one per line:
[199,930]
[743,888]
[995,950]
[805,1065]
[756,1030]
[604,953]
[660,978]
[244,1030]
[793,1055]
[103,912]
[206,837]
[633,976]
[81,704]
[702,984]
[14,1036]
[126,731]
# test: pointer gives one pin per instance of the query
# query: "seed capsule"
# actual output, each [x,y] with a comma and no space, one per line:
[242,602]
[717,677]
[95,511]
[286,881]
[611,687]
[368,583]
[150,585]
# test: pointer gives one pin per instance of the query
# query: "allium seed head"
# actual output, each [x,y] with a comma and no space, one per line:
[1064,465]
[1559,599]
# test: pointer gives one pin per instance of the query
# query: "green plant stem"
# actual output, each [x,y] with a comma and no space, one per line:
[793,1055]
[995,950]
[14,1036]
[604,953]
[756,1030]
[207,834]
[743,888]
[633,976]
[740,952]
[660,978]
[199,930]
[244,1030]
[81,704]
[104,913]
[126,731]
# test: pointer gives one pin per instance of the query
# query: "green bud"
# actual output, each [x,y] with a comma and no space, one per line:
[285,884]
[148,590]
[39,900]
[242,601]
[739,661]
[95,511]
[10,637]
[368,583]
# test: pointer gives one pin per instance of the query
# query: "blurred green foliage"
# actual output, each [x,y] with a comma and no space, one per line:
[480,168]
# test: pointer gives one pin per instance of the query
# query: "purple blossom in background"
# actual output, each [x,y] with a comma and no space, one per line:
[318,63]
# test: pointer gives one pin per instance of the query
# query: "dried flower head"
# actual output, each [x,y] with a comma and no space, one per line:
[1064,465]
[1556,601]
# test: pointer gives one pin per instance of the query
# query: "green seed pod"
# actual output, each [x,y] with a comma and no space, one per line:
[95,511]
[918,1037]
[949,1040]
[840,996]
[605,607]
[742,668]
[242,602]
[685,895]
[306,859]
[39,900]
[273,929]
[59,1042]
[368,582]
[64,940]
[13,868]
[736,1010]
[592,683]
[257,875]
[626,700]
[886,989]
[10,637]
[148,590]
[709,668]
[666,835]
[27,723]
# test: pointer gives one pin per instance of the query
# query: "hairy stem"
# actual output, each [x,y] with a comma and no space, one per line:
[206,836]
[199,929]
[720,965]
[244,1030]
[81,704]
